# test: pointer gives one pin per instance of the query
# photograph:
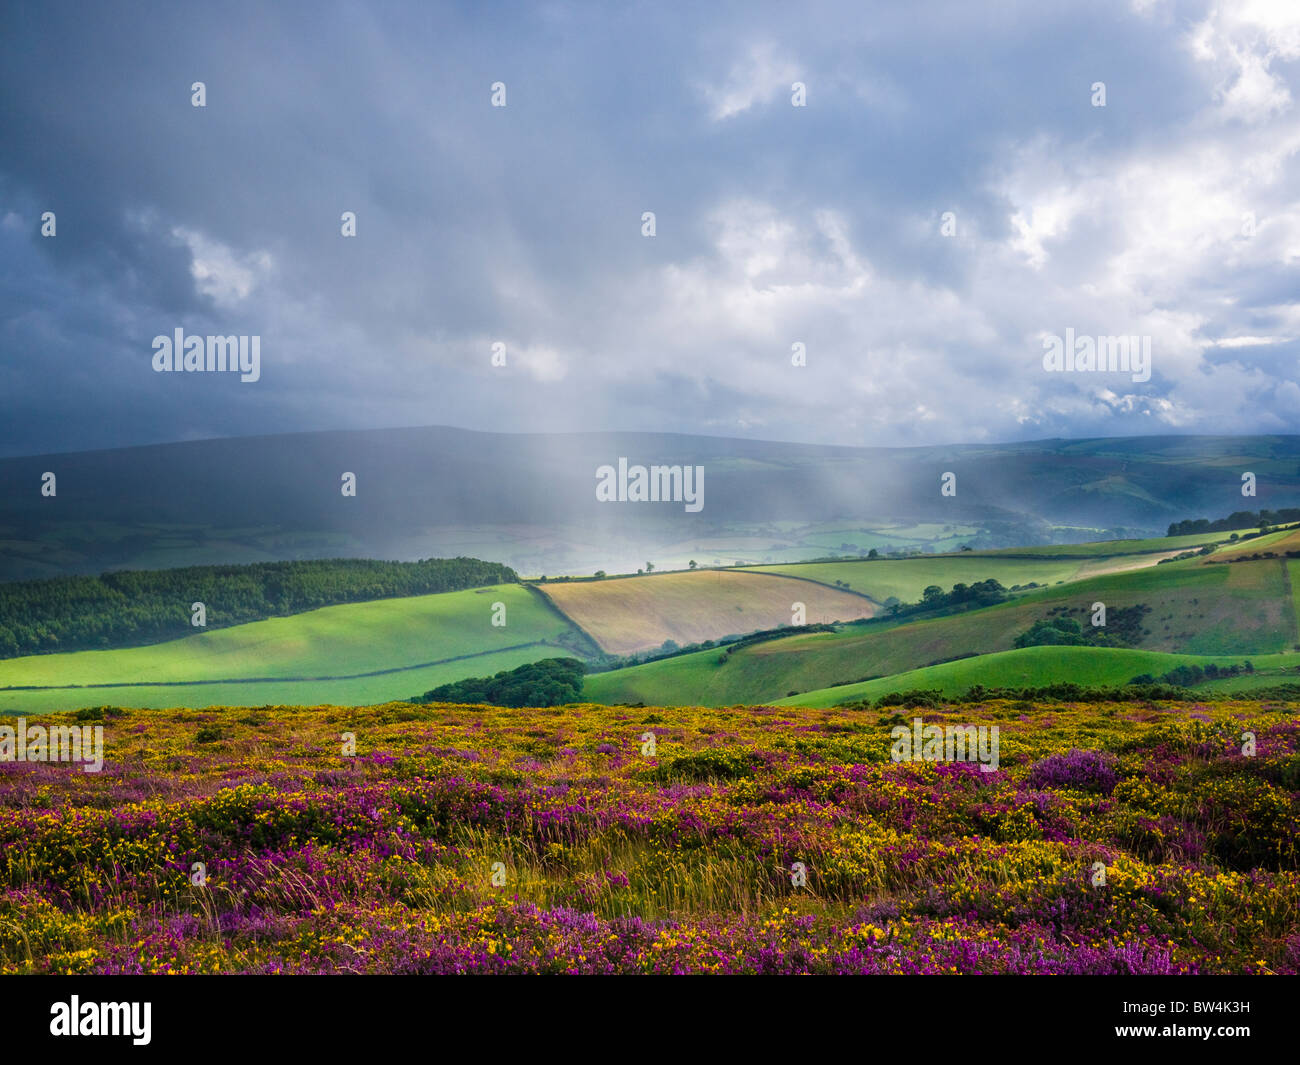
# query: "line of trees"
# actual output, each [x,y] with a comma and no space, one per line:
[1241,519]
[132,607]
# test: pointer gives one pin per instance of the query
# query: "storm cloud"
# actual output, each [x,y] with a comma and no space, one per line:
[1173,212]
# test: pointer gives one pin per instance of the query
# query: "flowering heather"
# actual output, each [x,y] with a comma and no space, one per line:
[1085,770]
[481,839]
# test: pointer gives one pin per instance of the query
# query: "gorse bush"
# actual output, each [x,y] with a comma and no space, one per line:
[550,682]
[616,857]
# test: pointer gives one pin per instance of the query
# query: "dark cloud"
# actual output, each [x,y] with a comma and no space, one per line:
[522,225]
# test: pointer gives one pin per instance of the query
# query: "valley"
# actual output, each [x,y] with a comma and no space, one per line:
[725,636]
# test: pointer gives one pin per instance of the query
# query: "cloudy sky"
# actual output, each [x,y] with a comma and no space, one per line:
[1172,212]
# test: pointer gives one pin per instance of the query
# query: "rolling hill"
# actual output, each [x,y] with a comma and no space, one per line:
[357,652]
[1222,606]
[631,614]
[528,500]
[1196,608]
[906,578]
[1040,666]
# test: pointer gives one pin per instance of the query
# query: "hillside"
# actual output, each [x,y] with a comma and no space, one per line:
[631,614]
[1196,608]
[129,608]
[1030,667]
[528,500]
[1228,603]
[358,652]
[906,578]
[1277,543]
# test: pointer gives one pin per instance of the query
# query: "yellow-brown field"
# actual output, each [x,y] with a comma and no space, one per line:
[630,614]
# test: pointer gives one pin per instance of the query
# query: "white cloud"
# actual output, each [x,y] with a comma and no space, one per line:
[544,363]
[756,78]
[219,272]
[1247,342]
[1241,39]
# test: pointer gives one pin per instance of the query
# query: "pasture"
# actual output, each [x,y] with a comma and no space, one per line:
[1242,609]
[1032,667]
[312,657]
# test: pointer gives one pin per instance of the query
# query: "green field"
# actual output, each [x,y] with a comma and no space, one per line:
[358,691]
[386,649]
[1126,547]
[1293,577]
[1281,541]
[1196,609]
[1261,678]
[1039,666]
[312,656]
[830,537]
[907,578]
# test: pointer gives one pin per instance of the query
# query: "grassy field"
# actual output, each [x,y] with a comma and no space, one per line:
[1278,542]
[1049,564]
[777,541]
[630,614]
[1196,609]
[1039,666]
[395,648]
[1278,669]
[907,578]
[1125,547]
[356,691]
[333,642]
[1293,578]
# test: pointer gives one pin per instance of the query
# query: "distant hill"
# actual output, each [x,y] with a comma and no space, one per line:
[529,501]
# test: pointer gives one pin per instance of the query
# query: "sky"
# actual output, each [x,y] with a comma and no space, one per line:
[920,195]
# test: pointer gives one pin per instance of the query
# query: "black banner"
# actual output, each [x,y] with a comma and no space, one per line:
[1070,1017]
